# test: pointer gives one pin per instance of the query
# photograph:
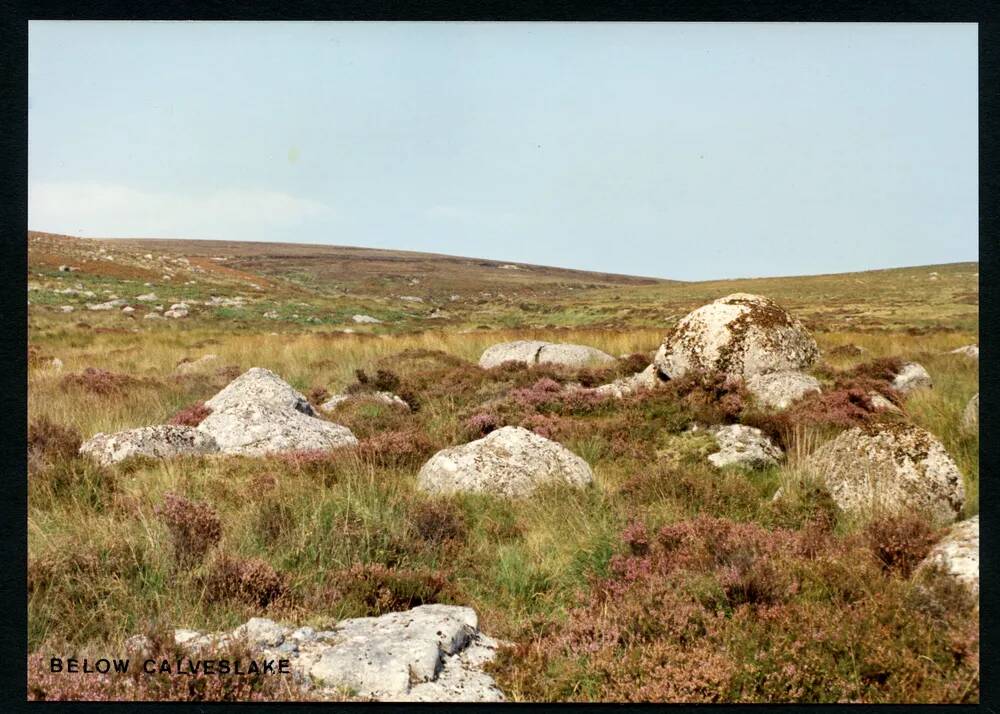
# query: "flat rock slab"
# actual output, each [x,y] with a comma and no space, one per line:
[531,352]
[510,461]
[430,653]
[161,442]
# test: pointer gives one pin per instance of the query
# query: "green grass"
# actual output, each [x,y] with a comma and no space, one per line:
[100,562]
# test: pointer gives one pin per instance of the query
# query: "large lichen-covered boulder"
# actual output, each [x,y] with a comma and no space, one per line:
[531,352]
[957,554]
[259,413]
[778,390]
[510,461]
[743,446]
[888,469]
[261,387]
[258,429]
[160,442]
[433,653]
[741,335]
[970,417]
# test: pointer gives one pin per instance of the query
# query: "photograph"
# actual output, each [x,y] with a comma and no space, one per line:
[502,361]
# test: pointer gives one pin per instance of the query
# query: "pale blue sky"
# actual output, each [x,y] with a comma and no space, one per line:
[689,151]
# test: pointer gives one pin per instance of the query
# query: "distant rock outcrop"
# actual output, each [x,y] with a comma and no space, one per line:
[510,461]
[532,352]
[890,468]
[740,335]
[161,442]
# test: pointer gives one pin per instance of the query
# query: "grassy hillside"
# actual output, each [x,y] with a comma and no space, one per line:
[804,605]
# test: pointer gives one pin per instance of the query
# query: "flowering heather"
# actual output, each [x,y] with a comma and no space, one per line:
[100,381]
[194,528]
[191,416]
[253,582]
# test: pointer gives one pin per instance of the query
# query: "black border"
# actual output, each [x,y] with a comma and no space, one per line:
[13,259]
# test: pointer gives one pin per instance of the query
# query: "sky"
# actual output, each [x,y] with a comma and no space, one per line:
[691,151]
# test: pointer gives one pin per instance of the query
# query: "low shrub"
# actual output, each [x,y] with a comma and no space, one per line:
[396,449]
[100,381]
[194,528]
[438,522]
[49,441]
[252,582]
[900,542]
[374,589]
[191,416]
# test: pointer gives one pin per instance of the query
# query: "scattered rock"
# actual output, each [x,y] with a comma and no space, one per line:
[624,386]
[128,310]
[743,446]
[573,355]
[957,554]
[259,413]
[366,320]
[778,390]
[176,314]
[148,297]
[152,316]
[740,334]
[968,350]
[383,397]
[165,441]
[431,653]
[890,468]
[66,308]
[195,365]
[510,461]
[532,352]
[262,387]
[523,351]
[109,305]
[970,418]
[879,402]
[410,298]
[911,377]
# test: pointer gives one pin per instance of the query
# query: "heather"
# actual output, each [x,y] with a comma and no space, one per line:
[668,580]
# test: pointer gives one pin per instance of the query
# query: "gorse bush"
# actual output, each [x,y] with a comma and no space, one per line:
[194,528]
